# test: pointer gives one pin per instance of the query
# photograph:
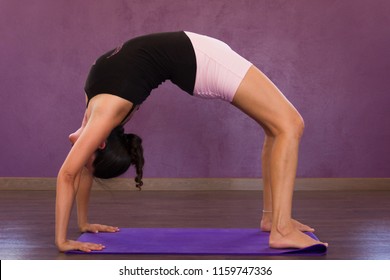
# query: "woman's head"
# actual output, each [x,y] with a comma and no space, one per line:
[121,151]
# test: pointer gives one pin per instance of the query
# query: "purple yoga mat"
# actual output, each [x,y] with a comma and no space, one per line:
[205,241]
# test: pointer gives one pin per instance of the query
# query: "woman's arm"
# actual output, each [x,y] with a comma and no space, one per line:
[104,116]
[64,202]
[85,181]
[82,198]
[67,186]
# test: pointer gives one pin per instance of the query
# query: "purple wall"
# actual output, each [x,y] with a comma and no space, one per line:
[330,58]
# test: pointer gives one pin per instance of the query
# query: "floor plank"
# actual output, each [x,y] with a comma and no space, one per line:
[356,224]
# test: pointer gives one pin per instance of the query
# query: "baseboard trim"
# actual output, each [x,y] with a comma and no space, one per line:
[204,184]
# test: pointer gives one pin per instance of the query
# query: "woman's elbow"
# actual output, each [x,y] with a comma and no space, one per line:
[66,177]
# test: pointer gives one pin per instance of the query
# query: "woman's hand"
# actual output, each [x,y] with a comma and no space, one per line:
[86,246]
[95,228]
[81,246]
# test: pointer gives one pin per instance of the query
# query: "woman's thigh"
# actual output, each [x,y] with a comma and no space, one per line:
[259,98]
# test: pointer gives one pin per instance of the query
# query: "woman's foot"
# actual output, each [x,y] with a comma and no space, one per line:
[291,237]
[266,224]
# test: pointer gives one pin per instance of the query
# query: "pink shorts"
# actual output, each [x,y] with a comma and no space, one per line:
[219,70]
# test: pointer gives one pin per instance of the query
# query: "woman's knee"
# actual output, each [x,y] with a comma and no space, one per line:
[296,126]
[292,127]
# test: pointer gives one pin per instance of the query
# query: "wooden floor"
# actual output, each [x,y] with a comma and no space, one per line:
[356,224]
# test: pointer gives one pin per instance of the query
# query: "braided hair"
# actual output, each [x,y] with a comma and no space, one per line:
[122,150]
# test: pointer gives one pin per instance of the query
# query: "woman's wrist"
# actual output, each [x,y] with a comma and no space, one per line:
[83,226]
[59,241]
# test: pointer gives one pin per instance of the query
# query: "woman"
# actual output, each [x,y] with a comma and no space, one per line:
[122,79]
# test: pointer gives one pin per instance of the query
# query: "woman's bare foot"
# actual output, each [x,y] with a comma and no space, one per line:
[291,237]
[266,224]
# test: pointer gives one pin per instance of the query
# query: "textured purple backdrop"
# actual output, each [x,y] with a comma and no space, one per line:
[330,58]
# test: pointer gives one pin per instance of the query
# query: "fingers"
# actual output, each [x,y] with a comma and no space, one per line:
[89,247]
[109,229]
[95,228]
[81,246]
[103,228]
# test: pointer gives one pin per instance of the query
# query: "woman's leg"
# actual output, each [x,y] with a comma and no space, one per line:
[266,220]
[259,98]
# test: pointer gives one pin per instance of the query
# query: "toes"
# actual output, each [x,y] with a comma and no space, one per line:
[294,239]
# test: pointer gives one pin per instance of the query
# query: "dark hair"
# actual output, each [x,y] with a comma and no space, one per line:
[121,151]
